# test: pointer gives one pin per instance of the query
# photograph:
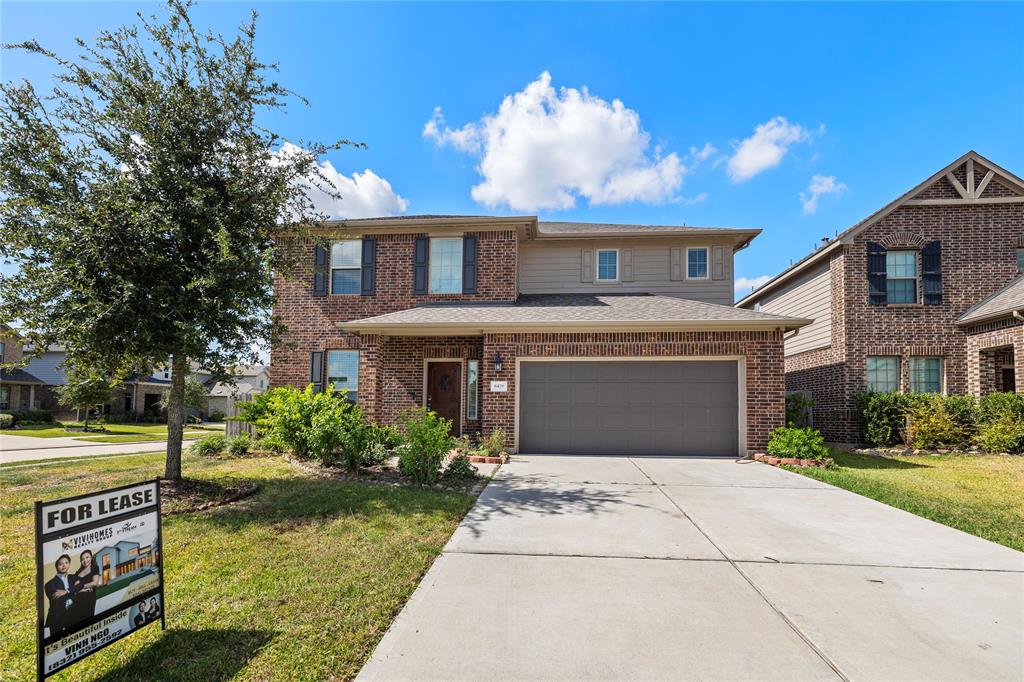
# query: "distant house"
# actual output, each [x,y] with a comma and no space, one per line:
[19,389]
[124,559]
[249,381]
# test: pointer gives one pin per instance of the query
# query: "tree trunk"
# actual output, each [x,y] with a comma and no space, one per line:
[175,416]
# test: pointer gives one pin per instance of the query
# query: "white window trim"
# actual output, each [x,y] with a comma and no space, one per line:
[430,264]
[917,276]
[597,266]
[331,268]
[707,262]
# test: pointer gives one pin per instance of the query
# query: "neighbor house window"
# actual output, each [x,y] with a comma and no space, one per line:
[607,265]
[901,276]
[5,398]
[472,389]
[697,263]
[883,374]
[926,375]
[446,266]
[3,347]
[1020,260]
[346,259]
[343,371]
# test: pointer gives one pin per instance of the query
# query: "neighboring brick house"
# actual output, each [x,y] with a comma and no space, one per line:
[892,297]
[572,337]
[18,388]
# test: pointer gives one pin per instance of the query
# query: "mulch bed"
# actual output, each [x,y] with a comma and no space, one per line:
[907,451]
[191,495]
[792,461]
[386,474]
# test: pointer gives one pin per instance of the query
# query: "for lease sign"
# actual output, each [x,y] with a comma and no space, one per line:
[99,571]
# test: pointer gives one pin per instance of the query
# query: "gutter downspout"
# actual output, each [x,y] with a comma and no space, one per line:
[795,332]
[1017,314]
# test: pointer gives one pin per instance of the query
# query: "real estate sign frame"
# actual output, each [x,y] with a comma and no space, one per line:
[121,529]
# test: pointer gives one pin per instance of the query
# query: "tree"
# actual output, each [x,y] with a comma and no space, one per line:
[143,201]
[195,395]
[84,389]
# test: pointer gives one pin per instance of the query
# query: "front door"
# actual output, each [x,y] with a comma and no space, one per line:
[1009,380]
[444,392]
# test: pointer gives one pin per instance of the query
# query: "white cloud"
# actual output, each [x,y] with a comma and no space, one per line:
[544,149]
[363,195]
[765,148]
[699,199]
[744,285]
[703,153]
[819,186]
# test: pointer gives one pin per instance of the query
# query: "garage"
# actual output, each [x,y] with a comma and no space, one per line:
[629,407]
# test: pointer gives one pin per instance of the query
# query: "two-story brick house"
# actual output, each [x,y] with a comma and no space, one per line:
[572,337]
[923,295]
[18,388]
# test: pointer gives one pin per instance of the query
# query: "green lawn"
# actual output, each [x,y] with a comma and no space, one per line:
[979,494]
[117,433]
[138,437]
[298,582]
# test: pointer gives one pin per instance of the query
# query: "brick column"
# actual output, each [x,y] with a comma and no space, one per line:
[498,409]
[369,376]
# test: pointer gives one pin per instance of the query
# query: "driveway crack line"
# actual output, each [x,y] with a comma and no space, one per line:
[793,626]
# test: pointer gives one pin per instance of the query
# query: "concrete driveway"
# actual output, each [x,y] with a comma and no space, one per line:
[644,568]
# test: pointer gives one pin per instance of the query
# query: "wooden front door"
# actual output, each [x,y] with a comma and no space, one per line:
[444,392]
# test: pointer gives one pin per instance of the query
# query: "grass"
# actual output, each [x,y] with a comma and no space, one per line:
[297,582]
[116,433]
[138,438]
[979,494]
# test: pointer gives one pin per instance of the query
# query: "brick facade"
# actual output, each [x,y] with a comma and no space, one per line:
[979,243]
[990,349]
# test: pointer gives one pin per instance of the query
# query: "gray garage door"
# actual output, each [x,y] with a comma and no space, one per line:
[629,408]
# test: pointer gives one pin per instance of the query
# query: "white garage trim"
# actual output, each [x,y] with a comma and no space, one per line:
[741,381]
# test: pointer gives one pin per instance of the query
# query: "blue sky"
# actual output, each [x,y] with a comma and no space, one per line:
[799,119]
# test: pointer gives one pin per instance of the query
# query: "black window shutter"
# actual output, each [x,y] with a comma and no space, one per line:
[931,273]
[469,264]
[369,270]
[876,274]
[319,270]
[316,370]
[419,265]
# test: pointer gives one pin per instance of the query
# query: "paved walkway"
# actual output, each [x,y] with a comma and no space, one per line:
[28,449]
[634,568]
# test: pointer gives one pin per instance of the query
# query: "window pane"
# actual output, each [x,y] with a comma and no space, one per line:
[697,263]
[901,290]
[901,263]
[343,371]
[926,375]
[1020,259]
[883,374]
[472,380]
[345,281]
[607,265]
[445,266]
[347,254]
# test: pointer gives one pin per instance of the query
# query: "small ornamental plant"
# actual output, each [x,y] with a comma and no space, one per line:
[797,443]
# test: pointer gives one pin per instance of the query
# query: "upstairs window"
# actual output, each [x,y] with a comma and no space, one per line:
[343,371]
[607,265]
[901,277]
[883,374]
[1020,260]
[3,348]
[446,266]
[346,261]
[926,375]
[697,262]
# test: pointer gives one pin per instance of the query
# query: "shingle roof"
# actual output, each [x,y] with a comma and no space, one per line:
[578,310]
[223,389]
[999,304]
[577,228]
[17,376]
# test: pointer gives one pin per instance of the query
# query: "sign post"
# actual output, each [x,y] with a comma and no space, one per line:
[99,571]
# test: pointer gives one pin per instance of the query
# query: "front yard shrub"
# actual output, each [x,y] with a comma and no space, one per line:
[1002,434]
[6,420]
[797,407]
[239,446]
[883,417]
[495,443]
[460,468]
[427,442]
[994,406]
[216,416]
[209,446]
[32,417]
[792,441]
[271,445]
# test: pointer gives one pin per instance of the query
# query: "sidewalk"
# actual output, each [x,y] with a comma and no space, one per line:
[28,449]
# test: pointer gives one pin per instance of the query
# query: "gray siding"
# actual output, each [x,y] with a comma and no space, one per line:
[47,367]
[555,267]
[808,296]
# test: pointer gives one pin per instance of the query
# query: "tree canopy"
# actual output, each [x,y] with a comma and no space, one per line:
[142,200]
